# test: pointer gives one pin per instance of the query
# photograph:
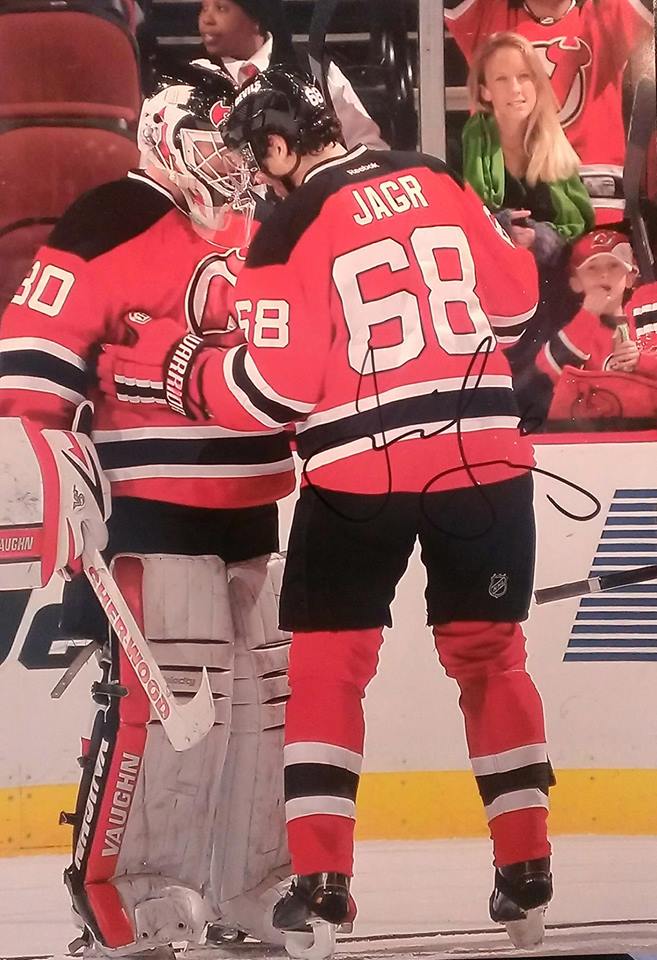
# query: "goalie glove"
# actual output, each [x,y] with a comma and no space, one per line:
[157,365]
[54,496]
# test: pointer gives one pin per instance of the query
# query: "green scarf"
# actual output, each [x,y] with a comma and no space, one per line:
[483,168]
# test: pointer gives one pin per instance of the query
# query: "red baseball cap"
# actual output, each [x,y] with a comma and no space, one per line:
[602,243]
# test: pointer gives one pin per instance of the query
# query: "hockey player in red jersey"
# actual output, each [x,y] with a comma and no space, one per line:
[585,46]
[164,842]
[378,298]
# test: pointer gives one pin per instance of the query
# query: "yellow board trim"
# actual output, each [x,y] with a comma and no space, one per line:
[436,804]
[419,805]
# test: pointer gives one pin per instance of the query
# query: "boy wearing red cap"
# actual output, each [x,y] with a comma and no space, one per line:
[605,335]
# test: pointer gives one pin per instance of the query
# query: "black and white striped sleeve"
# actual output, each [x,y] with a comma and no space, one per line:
[42,366]
[257,397]
[509,329]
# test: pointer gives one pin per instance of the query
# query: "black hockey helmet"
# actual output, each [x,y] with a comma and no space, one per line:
[279,101]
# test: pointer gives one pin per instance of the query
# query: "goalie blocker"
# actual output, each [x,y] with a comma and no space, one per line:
[164,841]
[51,485]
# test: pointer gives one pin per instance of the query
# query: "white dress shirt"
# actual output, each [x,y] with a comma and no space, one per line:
[357,125]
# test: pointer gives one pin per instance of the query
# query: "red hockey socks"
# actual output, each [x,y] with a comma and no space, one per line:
[505,730]
[324,734]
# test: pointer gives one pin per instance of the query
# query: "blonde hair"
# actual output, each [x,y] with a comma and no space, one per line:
[550,155]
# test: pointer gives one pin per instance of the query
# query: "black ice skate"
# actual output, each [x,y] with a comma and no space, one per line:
[311,911]
[522,892]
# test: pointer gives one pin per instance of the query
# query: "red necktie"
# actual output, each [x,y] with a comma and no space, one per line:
[247,72]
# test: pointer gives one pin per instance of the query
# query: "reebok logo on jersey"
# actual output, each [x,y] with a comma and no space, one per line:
[363,167]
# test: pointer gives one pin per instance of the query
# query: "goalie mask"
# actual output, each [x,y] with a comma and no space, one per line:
[278,101]
[178,135]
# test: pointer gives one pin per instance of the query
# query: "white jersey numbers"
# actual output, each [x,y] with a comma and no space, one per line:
[271,324]
[44,290]
[451,300]
[363,315]
[266,324]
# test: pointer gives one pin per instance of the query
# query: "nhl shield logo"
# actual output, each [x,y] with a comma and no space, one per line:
[498,585]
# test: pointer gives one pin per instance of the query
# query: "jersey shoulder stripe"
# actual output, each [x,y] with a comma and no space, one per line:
[108,216]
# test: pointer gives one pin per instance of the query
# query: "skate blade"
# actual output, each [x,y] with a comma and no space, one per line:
[318,945]
[529,932]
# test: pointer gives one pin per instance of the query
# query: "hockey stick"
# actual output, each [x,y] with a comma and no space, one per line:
[579,588]
[323,11]
[185,726]
[69,675]
[642,126]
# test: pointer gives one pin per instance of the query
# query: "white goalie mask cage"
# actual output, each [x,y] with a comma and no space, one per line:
[177,134]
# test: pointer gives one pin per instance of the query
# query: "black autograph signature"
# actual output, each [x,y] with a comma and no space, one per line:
[466,395]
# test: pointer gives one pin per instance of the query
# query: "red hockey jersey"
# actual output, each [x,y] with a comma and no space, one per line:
[125,248]
[585,54]
[587,342]
[373,298]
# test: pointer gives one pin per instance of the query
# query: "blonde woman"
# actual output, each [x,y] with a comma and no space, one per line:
[515,154]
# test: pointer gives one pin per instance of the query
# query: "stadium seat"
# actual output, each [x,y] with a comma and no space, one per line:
[43,169]
[63,58]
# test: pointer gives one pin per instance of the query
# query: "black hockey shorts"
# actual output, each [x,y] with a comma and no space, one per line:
[347,553]
[148,526]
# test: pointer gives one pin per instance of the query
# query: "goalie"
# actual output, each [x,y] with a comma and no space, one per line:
[164,841]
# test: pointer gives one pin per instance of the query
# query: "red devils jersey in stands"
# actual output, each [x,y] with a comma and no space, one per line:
[587,341]
[126,248]
[585,53]
[371,289]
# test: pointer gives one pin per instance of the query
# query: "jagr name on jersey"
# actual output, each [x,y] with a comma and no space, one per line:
[388,198]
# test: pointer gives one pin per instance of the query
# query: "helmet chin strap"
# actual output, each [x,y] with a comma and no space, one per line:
[286,179]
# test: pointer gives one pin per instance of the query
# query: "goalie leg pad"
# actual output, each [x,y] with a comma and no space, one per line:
[146,811]
[250,846]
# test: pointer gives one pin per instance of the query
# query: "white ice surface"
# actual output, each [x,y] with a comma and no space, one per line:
[404,888]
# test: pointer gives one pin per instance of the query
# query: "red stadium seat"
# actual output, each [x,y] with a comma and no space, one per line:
[43,169]
[61,58]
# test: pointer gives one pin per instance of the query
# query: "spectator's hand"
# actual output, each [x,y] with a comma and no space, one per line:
[625,356]
[601,300]
[522,236]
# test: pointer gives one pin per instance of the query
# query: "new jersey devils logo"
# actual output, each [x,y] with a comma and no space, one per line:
[218,113]
[208,297]
[566,60]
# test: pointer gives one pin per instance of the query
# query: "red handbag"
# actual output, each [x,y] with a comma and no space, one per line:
[586,394]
